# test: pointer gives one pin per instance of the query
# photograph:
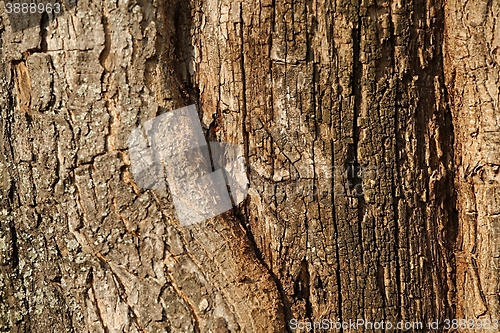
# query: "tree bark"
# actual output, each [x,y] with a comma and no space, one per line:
[472,71]
[344,112]
[83,248]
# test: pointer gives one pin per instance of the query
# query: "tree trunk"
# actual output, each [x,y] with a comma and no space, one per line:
[472,73]
[344,113]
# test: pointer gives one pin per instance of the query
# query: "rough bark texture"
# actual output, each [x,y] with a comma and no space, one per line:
[472,73]
[83,249]
[351,85]
[343,113]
